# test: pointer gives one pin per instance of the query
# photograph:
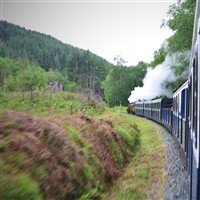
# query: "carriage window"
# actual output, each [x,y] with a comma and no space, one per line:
[190,98]
[194,96]
[179,104]
[183,106]
[174,104]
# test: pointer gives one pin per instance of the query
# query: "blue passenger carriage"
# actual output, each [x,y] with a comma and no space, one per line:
[156,110]
[166,112]
[180,113]
[139,108]
[147,109]
[161,111]
[194,110]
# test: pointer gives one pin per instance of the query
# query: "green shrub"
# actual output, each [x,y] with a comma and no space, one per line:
[19,187]
[126,134]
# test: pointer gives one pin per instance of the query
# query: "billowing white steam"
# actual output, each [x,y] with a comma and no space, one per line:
[155,82]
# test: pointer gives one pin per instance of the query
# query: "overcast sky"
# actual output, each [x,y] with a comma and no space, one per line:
[106,28]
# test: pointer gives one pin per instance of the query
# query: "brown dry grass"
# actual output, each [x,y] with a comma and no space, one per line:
[68,172]
[43,143]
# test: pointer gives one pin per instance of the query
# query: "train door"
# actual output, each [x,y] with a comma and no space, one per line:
[184,118]
[175,115]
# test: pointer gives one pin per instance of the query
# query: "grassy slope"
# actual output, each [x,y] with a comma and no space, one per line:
[67,147]
[144,177]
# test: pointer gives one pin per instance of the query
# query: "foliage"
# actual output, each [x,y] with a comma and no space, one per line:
[81,68]
[21,75]
[181,20]
[8,67]
[120,81]
[180,68]
[54,76]
[74,156]
[176,48]
[159,57]
[119,60]
[47,102]
[33,79]
[11,83]
[142,174]
[19,187]
[178,62]
[124,125]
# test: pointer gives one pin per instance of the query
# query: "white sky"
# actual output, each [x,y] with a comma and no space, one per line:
[107,28]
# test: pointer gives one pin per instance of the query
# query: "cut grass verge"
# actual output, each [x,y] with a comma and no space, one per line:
[144,177]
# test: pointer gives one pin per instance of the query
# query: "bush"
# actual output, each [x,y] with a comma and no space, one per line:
[19,187]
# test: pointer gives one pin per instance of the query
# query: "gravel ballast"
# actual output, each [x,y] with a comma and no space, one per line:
[177,183]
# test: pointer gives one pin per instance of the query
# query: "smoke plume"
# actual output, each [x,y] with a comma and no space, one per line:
[155,83]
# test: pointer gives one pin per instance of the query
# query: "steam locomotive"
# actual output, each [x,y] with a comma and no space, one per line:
[181,114]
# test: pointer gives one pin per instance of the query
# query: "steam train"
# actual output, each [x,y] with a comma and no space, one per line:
[181,114]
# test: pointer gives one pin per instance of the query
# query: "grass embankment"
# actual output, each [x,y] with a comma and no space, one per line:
[62,146]
[144,177]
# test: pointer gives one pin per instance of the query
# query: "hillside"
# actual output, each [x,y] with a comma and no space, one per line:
[61,146]
[52,150]
[81,67]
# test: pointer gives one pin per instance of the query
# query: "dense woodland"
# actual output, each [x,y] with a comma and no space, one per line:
[83,69]
[34,61]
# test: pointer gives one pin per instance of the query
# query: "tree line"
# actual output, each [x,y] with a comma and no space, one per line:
[121,80]
[34,61]
[80,67]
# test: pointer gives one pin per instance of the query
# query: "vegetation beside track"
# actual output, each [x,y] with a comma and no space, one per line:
[144,177]
[61,145]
